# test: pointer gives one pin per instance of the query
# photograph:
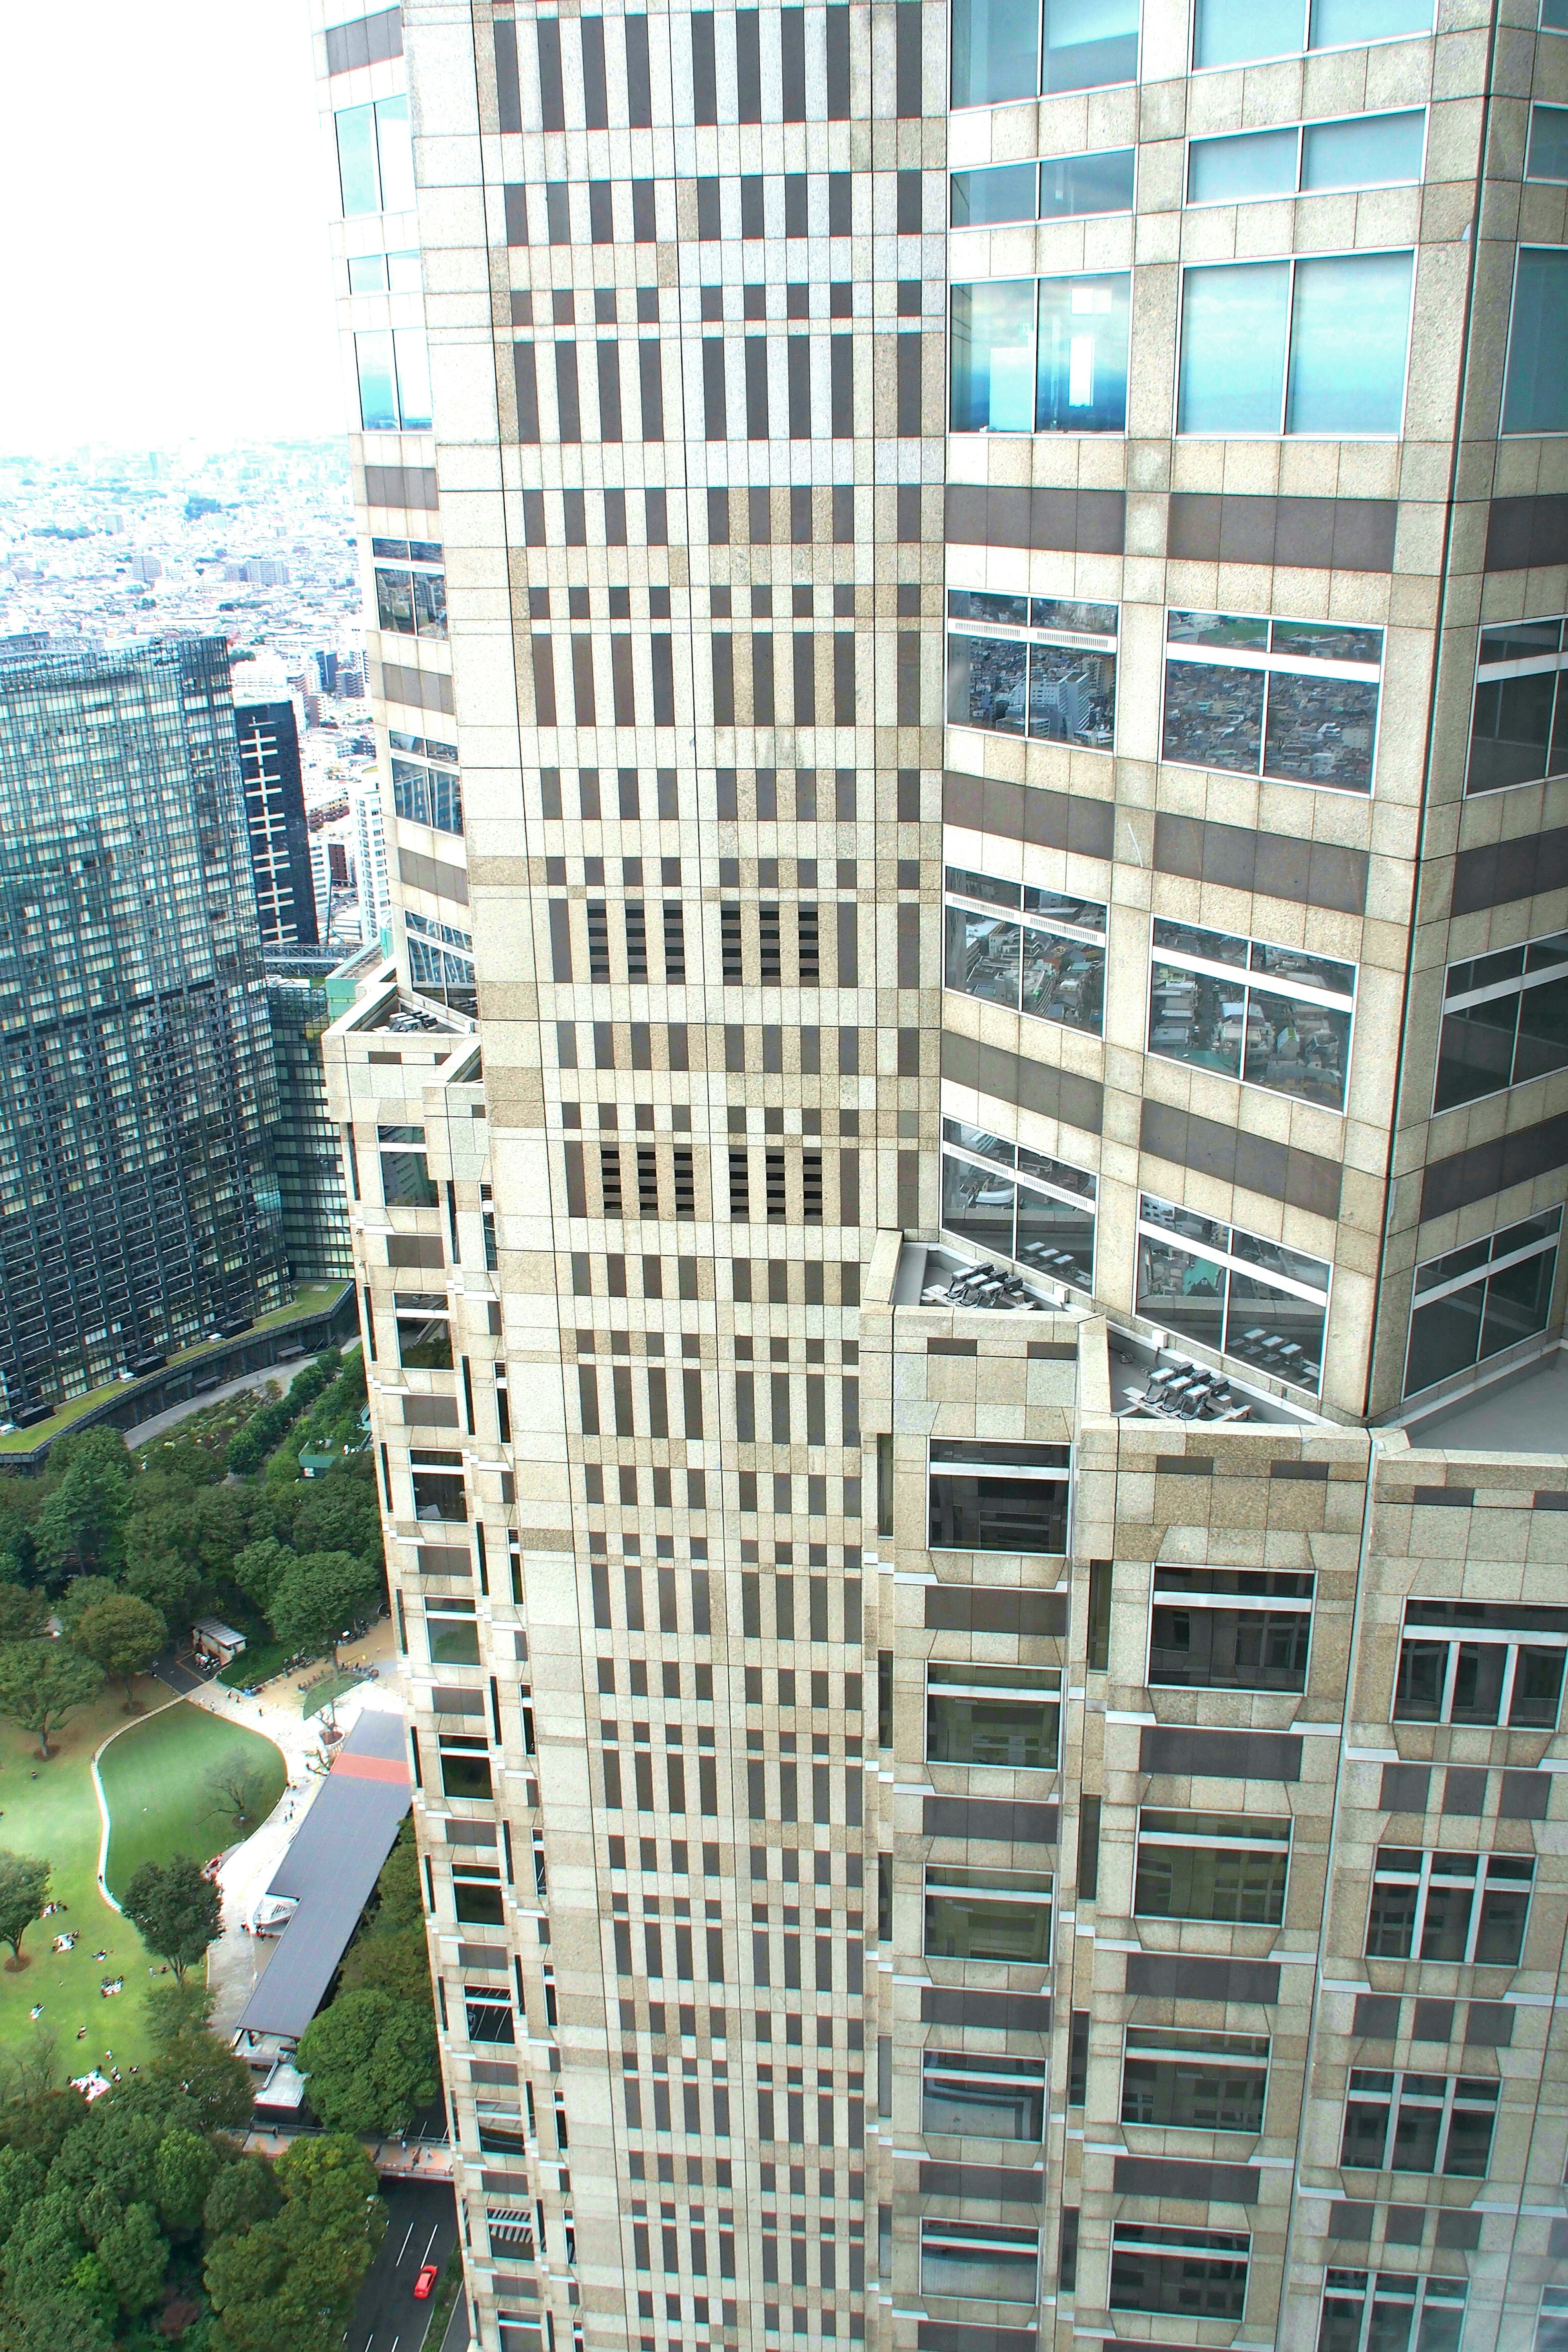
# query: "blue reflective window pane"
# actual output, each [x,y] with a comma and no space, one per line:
[987,681]
[1072,186]
[1510,730]
[993,357]
[1349,336]
[1006,192]
[979,604]
[1234,330]
[395,154]
[377,383]
[1083,354]
[1230,32]
[1326,641]
[356,160]
[1554,16]
[1064,979]
[1369,151]
[1055,1238]
[1280,1335]
[1296,1047]
[995,50]
[367,274]
[1234,171]
[1090,44]
[1535,390]
[1346,24]
[413,378]
[1218,629]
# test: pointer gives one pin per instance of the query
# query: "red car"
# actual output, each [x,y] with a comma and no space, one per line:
[429,2274]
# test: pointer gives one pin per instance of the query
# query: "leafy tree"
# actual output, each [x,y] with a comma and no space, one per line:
[80,1524]
[243,2193]
[82,1594]
[260,1567]
[371,2060]
[23,1609]
[121,1634]
[322,1592]
[339,1513]
[22,2177]
[232,1787]
[184,2172]
[392,1960]
[167,1582]
[289,2283]
[47,2321]
[24,1891]
[41,1682]
[134,2254]
[175,1910]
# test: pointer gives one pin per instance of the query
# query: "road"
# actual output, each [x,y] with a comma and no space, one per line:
[423,2228]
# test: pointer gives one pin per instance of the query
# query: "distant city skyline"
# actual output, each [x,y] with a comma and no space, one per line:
[176,281]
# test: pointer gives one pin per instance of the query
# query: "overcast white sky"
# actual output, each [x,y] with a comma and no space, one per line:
[163,259]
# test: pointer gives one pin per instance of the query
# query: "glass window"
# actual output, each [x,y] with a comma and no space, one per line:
[1220,1866]
[1472,1303]
[1199,2274]
[1419,2123]
[1004,1717]
[1177,2079]
[377,382]
[987,1497]
[1072,185]
[358,177]
[1003,192]
[1234,170]
[1301,707]
[983,2097]
[1287,1028]
[1364,151]
[1054,969]
[394,600]
[1392,2311]
[1342,323]
[1083,354]
[964,2258]
[1551,2323]
[438,1489]
[1500,1026]
[1230,1629]
[993,356]
[1481,1662]
[1519,727]
[466,1769]
[424,1342]
[1061,687]
[988,1915]
[395,154]
[1235,32]
[1465,1907]
[1548,155]
[454,1633]
[1044,1216]
[476,1895]
[1554,16]
[1535,385]
[1046,356]
[427,795]
[1090,44]
[995,50]
[1233,1292]
[413,378]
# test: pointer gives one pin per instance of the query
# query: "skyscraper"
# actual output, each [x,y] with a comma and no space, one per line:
[138,1205]
[994,574]
[275,824]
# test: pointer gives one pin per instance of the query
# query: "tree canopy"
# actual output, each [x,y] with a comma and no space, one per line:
[41,1682]
[124,1635]
[320,1594]
[175,1910]
[24,1891]
[371,2060]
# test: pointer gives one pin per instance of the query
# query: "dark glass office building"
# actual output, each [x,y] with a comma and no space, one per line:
[276,830]
[139,1200]
[305,1145]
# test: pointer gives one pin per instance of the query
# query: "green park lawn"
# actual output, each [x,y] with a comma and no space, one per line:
[153,1776]
[51,1809]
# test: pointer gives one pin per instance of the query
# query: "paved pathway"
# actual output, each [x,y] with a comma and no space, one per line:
[160,1423]
[236,1959]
